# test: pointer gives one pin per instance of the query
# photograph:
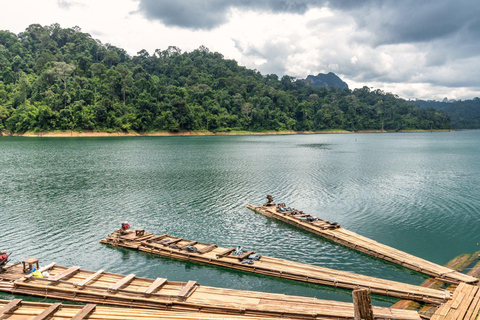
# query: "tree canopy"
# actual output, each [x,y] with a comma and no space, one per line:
[54,78]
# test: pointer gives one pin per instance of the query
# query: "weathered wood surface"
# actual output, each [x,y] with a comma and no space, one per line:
[362,305]
[355,241]
[181,296]
[32,310]
[458,263]
[279,268]
[10,307]
[464,305]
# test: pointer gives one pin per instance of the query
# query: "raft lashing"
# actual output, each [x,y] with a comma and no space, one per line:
[250,261]
[336,233]
[95,287]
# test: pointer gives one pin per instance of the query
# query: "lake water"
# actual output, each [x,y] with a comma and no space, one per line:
[418,192]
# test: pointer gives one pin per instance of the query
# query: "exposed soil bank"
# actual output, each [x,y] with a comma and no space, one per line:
[186,133]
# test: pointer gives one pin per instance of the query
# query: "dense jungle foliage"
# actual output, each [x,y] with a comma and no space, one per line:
[52,78]
[464,114]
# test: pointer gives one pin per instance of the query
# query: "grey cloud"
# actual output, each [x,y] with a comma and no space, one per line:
[208,14]
[410,21]
[388,21]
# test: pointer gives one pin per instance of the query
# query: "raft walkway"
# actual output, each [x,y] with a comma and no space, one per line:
[464,305]
[17,309]
[183,249]
[97,287]
[355,241]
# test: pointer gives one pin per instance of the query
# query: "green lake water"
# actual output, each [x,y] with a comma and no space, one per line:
[418,192]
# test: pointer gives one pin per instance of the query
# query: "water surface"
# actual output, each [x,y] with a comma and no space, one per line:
[417,192]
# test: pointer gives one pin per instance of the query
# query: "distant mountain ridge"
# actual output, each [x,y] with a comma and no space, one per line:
[326,80]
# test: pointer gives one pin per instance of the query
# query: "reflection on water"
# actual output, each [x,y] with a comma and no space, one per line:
[417,192]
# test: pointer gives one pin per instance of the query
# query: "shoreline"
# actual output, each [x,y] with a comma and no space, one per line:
[80,134]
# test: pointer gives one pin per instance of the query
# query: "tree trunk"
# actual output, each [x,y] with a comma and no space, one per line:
[362,304]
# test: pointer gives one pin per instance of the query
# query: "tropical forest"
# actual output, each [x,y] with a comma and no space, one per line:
[54,78]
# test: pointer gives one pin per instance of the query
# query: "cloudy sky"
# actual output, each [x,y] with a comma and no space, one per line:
[416,49]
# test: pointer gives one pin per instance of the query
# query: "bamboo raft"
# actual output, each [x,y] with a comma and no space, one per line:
[99,286]
[335,233]
[174,247]
[464,305]
[18,309]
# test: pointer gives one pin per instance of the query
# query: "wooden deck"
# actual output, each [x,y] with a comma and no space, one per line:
[174,247]
[115,289]
[464,305]
[355,241]
[18,309]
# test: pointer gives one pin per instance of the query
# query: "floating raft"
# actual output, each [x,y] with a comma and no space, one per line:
[183,249]
[18,309]
[355,241]
[464,305]
[96,287]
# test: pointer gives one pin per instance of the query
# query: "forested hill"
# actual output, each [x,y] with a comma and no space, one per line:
[61,79]
[464,114]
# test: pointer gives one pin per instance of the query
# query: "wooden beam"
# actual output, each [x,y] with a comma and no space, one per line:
[42,269]
[91,278]
[86,310]
[190,284]
[155,285]
[157,237]
[11,306]
[64,274]
[191,243]
[175,241]
[226,252]
[122,282]
[245,255]
[207,249]
[48,312]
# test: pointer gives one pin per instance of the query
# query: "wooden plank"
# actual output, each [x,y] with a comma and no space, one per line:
[42,269]
[474,308]
[86,310]
[207,249]
[457,301]
[465,304]
[122,282]
[226,252]
[157,237]
[11,306]
[175,241]
[90,278]
[191,243]
[65,273]
[190,284]
[155,285]
[48,312]
[246,254]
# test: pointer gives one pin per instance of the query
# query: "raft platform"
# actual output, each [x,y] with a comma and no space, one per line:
[464,305]
[95,287]
[336,233]
[183,249]
[17,309]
